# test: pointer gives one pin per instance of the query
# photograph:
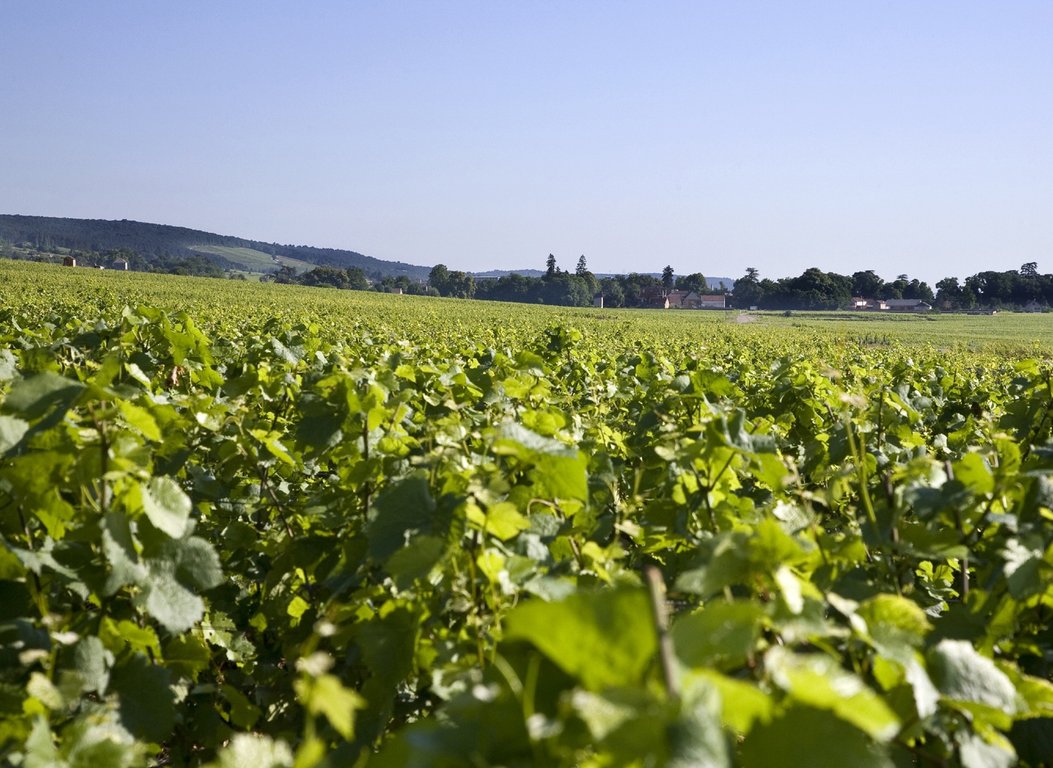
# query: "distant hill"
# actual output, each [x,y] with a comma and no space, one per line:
[156,243]
[507,272]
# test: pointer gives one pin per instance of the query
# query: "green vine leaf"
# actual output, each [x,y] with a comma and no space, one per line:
[604,638]
[166,505]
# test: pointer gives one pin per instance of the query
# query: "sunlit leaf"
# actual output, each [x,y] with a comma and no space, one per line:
[604,638]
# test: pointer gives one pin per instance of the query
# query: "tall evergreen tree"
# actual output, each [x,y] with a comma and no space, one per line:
[550,266]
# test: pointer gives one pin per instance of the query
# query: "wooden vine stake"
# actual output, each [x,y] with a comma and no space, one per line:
[660,614]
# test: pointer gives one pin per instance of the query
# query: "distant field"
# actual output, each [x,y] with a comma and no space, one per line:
[251,259]
[1011,331]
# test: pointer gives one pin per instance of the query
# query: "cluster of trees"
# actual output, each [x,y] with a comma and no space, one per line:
[350,279]
[353,278]
[195,264]
[454,283]
[1013,288]
[563,288]
[634,289]
[815,289]
[568,289]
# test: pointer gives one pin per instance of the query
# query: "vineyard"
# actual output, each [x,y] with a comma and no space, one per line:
[280,527]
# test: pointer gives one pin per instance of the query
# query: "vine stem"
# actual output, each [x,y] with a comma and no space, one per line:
[859,458]
[266,486]
[36,588]
[963,583]
[660,615]
[366,486]
[104,461]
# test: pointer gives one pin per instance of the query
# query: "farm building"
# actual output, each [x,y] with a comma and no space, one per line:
[907,305]
[861,304]
[684,300]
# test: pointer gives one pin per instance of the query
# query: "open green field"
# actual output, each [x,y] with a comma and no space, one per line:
[277,526]
[253,260]
[1013,332]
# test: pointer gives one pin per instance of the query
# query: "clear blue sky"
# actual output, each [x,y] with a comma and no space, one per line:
[900,136]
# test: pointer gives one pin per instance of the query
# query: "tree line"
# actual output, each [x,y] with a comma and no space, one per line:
[351,278]
[815,289]
[562,287]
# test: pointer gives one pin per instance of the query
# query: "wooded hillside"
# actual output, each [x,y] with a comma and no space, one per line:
[160,242]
